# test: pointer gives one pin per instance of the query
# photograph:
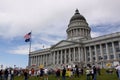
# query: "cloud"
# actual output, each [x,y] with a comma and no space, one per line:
[20,50]
[95,34]
[25,15]
[24,49]
[49,20]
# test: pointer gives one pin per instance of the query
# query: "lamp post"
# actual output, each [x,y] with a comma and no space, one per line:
[102,61]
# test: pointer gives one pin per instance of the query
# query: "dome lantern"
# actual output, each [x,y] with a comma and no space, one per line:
[77,16]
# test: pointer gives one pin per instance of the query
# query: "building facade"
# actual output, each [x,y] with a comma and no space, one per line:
[79,47]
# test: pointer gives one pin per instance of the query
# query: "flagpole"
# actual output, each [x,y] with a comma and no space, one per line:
[30,42]
[29,49]
[28,38]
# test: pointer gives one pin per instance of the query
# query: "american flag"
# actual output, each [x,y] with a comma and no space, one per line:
[27,37]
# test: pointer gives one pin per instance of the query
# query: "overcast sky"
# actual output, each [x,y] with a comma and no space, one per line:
[48,20]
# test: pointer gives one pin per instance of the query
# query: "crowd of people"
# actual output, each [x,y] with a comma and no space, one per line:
[7,74]
[91,73]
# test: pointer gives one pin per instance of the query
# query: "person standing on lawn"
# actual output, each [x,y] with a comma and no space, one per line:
[88,73]
[63,74]
[6,74]
[94,73]
[25,75]
[46,74]
[118,71]
[41,73]
[58,74]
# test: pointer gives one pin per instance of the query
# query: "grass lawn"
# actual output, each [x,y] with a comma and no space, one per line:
[103,76]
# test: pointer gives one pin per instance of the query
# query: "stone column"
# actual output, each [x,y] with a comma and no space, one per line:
[46,59]
[101,51]
[77,32]
[85,55]
[73,32]
[57,57]
[108,58]
[90,54]
[54,57]
[61,56]
[87,32]
[79,54]
[80,31]
[83,32]
[31,60]
[41,59]
[69,55]
[73,54]
[114,53]
[38,60]
[102,56]
[119,47]
[70,33]
[119,44]
[96,54]
[65,56]
[35,60]
[50,58]
[82,57]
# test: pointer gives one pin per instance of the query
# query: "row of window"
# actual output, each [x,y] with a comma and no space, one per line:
[104,48]
[105,57]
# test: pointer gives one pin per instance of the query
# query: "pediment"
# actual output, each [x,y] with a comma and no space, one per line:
[64,43]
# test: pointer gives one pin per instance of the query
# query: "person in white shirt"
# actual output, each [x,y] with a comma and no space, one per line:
[12,74]
[38,73]
[88,73]
[46,73]
[29,72]
[118,71]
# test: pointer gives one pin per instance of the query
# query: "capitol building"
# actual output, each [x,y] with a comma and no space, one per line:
[79,48]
